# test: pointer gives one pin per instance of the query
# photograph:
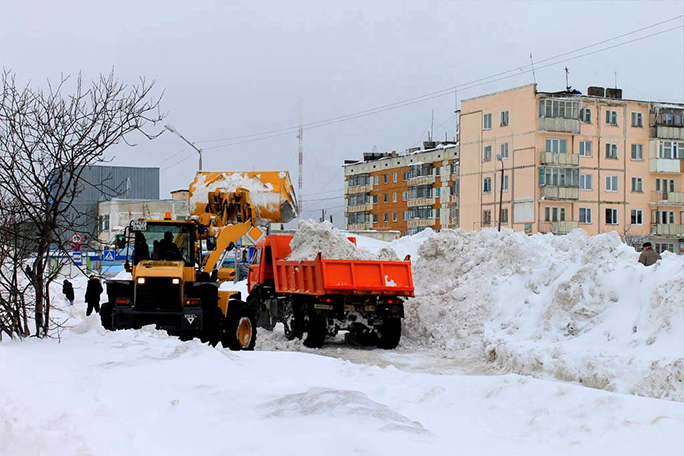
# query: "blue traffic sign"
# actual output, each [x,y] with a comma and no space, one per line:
[108,255]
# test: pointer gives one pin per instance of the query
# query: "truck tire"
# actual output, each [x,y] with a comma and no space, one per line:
[389,333]
[212,326]
[292,321]
[317,328]
[106,316]
[239,329]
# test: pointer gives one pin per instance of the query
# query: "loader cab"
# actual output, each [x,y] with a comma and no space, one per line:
[163,240]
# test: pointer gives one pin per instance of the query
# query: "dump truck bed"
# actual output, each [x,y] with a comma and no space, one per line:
[330,276]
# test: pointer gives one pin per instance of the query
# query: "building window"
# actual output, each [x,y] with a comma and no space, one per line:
[554,214]
[404,196]
[504,118]
[504,215]
[637,152]
[438,191]
[611,183]
[611,216]
[611,117]
[487,153]
[611,150]
[637,185]
[660,247]
[665,185]
[505,183]
[394,216]
[395,176]
[566,109]
[670,149]
[503,149]
[375,199]
[637,217]
[585,215]
[487,122]
[486,218]
[420,212]
[585,115]
[357,199]
[375,218]
[563,177]
[385,217]
[385,178]
[557,145]
[104,222]
[585,148]
[665,217]
[585,182]
[376,180]
[357,180]
[394,197]
[406,215]
[637,119]
[487,185]
[385,198]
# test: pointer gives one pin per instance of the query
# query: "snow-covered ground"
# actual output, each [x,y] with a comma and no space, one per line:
[504,335]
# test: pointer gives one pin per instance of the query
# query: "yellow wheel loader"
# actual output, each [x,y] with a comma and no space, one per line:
[173,281]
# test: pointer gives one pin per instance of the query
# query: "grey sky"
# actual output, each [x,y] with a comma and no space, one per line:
[233,68]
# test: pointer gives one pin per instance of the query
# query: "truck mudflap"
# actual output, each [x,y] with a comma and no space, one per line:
[190,319]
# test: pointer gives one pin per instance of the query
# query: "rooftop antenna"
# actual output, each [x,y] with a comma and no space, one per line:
[534,76]
[300,136]
[432,124]
[567,79]
[615,78]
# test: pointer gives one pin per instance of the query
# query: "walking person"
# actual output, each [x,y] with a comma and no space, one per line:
[68,290]
[648,255]
[92,295]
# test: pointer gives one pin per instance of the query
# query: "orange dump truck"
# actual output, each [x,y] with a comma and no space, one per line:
[321,297]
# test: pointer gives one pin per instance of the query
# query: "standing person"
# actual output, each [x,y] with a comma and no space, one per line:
[92,295]
[648,255]
[68,291]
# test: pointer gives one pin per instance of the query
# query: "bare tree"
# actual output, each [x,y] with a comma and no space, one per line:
[47,138]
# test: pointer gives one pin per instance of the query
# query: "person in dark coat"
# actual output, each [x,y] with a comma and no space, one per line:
[168,250]
[648,255]
[141,250]
[92,295]
[68,290]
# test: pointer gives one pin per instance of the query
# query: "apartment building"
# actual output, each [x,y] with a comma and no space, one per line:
[552,162]
[407,192]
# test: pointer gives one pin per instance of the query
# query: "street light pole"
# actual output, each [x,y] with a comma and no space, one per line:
[199,151]
[500,158]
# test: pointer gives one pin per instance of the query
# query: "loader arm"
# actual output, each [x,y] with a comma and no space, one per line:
[227,235]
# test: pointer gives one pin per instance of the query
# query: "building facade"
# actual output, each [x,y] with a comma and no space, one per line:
[597,162]
[406,193]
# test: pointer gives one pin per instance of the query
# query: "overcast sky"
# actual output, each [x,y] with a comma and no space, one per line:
[231,69]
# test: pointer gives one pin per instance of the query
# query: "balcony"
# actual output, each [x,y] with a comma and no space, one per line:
[421,202]
[360,207]
[553,192]
[560,124]
[674,198]
[666,165]
[422,180]
[552,158]
[455,199]
[415,223]
[360,189]
[667,230]
[563,227]
[360,226]
[667,132]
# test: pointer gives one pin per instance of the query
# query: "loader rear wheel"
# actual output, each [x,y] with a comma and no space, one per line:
[317,328]
[239,330]
[212,326]
[389,333]
[106,316]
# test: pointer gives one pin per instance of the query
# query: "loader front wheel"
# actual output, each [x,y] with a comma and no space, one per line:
[213,326]
[106,316]
[239,332]
[389,333]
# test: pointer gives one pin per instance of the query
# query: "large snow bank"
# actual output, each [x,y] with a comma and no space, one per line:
[573,307]
[313,237]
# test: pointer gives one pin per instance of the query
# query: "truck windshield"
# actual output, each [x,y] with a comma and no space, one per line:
[164,242]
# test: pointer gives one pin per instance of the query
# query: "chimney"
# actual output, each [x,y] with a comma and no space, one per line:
[614,93]
[595,91]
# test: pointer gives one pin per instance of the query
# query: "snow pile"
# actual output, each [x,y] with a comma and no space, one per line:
[313,237]
[573,307]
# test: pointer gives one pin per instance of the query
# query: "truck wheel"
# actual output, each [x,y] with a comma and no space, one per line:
[317,328]
[212,326]
[106,316]
[389,333]
[292,322]
[239,331]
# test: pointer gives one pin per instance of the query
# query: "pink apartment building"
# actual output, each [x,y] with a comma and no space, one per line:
[597,162]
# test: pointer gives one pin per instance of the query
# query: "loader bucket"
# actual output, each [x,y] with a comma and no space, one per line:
[269,193]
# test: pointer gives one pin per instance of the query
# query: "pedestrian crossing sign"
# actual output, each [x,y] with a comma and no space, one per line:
[108,255]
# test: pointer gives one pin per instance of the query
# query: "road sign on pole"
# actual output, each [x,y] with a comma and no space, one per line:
[108,255]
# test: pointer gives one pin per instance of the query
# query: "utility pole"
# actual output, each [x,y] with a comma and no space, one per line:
[199,151]
[300,136]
